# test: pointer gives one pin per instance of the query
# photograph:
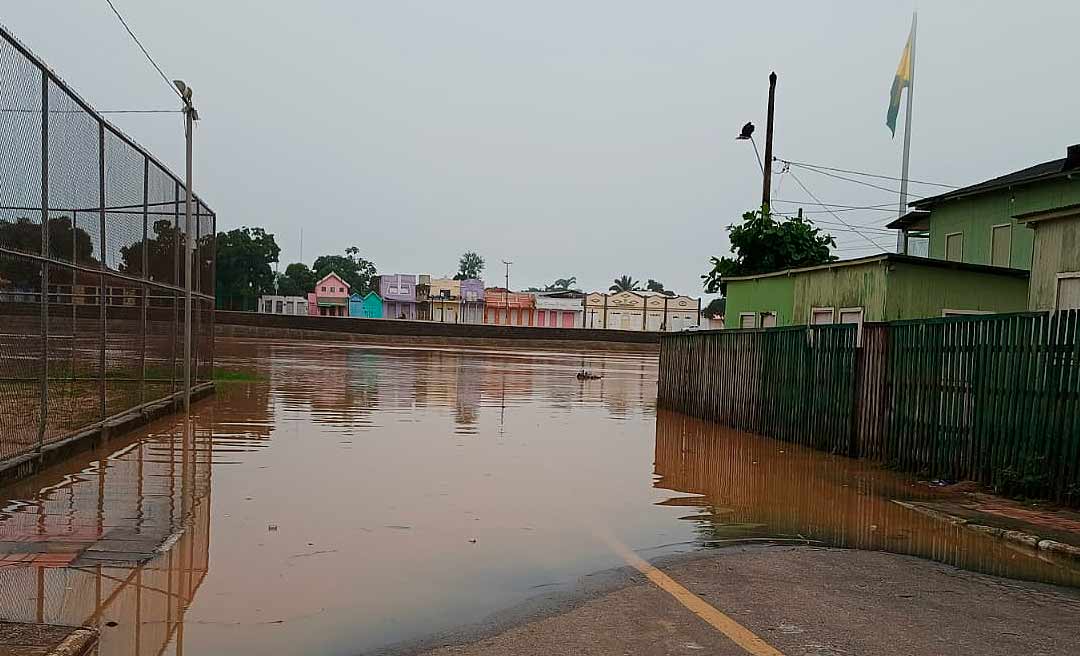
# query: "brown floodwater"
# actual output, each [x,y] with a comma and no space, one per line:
[356,497]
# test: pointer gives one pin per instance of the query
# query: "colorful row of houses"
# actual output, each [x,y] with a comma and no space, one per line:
[1008,244]
[423,298]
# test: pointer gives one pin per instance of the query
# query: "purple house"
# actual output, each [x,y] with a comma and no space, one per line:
[398,292]
[472,301]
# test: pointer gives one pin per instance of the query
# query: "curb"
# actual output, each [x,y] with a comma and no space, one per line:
[1028,540]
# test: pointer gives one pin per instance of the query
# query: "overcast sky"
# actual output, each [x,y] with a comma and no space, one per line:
[574,138]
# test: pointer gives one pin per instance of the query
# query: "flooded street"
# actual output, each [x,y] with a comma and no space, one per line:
[353,498]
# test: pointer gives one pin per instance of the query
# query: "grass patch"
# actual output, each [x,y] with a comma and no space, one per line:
[234,376]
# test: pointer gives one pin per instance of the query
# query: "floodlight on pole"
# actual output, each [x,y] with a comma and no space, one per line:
[190,116]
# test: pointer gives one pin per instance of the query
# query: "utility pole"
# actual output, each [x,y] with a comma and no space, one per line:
[506,298]
[766,186]
[190,116]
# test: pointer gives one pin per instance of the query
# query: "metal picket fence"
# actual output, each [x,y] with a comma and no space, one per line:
[92,236]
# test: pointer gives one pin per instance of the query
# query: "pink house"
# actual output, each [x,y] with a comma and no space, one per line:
[330,298]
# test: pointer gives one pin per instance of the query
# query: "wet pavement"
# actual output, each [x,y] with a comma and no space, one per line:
[355,498]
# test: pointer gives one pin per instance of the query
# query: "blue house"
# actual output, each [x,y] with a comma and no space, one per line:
[368,306]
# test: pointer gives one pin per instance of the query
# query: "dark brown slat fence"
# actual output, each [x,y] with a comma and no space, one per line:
[989,398]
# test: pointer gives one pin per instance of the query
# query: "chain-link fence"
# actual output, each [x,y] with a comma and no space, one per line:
[92,236]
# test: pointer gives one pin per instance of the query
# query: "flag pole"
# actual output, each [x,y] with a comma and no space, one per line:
[903,245]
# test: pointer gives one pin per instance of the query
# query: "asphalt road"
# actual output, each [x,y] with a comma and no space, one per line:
[798,600]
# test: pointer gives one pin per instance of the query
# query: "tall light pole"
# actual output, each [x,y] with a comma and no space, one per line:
[190,116]
[506,297]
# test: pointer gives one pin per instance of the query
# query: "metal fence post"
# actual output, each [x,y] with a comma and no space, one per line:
[44,410]
[145,277]
[176,282]
[101,286]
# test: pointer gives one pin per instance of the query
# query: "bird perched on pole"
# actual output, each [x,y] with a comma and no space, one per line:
[747,131]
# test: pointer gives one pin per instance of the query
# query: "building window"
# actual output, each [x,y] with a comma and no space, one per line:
[747,320]
[1068,291]
[855,316]
[1000,245]
[821,316]
[768,319]
[280,307]
[268,307]
[324,288]
[954,247]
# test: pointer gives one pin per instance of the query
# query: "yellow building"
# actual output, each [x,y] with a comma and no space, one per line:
[644,311]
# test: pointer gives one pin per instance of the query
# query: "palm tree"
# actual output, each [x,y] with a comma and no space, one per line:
[625,284]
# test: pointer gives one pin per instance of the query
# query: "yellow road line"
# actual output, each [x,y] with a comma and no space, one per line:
[736,632]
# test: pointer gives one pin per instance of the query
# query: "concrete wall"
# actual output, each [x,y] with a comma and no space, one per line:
[250,324]
[1057,250]
[774,294]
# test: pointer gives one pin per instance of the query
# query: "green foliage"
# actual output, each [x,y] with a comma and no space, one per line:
[470,266]
[657,286]
[244,257]
[715,308]
[161,253]
[24,235]
[762,244]
[625,284]
[352,268]
[234,376]
[560,285]
[297,280]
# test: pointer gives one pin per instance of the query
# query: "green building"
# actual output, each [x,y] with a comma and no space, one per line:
[976,251]
[882,287]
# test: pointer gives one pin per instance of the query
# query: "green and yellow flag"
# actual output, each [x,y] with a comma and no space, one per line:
[901,81]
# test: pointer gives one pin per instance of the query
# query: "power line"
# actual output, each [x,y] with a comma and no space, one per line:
[123,22]
[864,173]
[844,227]
[860,182]
[13,110]
[834,214]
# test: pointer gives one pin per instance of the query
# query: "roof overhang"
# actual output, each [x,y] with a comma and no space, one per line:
[1067,212]
[913,220]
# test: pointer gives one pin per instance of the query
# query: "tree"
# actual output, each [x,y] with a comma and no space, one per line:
[297,280]
[161,254]
[470,266]
[762,244]
[352,268]
[560,285]
[657,286]
[244,257]
[625,284]
[65,242]
[715,308]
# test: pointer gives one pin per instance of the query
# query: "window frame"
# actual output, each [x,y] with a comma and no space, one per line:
[1062,275]
[993,229]
[954,234]
[753,316]
[815,310]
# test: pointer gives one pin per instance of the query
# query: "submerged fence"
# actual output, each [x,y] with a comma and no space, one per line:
[92,241]
[995,399]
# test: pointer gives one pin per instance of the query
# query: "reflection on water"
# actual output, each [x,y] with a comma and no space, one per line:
[752,487]
[121,544]
[364,496]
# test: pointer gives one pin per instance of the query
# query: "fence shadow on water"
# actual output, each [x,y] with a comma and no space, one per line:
[994,399]
[92,236]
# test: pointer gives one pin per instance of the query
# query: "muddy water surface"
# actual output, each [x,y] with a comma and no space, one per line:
[358,497]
